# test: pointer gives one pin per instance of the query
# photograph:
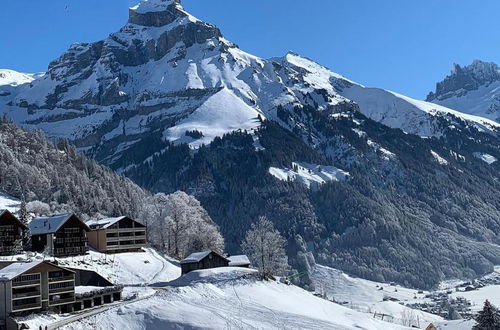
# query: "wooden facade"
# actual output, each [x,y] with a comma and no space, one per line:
[34,286]
[60,235]
[203,260]
[11,233]
[114,235]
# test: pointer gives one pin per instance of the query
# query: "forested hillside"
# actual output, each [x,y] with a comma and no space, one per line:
[57,174]
[413,210]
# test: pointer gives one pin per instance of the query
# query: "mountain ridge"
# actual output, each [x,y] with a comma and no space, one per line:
[172,104]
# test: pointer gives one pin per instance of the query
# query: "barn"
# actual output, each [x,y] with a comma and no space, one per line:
[203,260]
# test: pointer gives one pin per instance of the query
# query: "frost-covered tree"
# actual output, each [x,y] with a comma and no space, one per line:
[23,216]
[265,247]
[56,174]
[38,208]
[488,318]
[179,225]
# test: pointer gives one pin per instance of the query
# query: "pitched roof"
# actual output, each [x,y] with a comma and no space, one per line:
[50,224]
[14,269]
[104,223]
[239,260]
[198,256]
[3,211]
[10,269]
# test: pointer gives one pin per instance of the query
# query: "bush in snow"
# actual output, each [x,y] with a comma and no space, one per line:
[178,225]
[265,247]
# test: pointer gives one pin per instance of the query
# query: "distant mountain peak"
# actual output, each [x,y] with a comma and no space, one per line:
[463,79]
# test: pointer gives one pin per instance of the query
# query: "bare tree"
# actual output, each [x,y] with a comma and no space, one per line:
[265,247]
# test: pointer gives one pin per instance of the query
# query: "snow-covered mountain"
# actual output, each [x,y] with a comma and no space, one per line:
[473,89]
[167,71]
[387,202]
[14,78]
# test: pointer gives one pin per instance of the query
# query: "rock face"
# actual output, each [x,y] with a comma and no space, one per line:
[473,89]
[172,104]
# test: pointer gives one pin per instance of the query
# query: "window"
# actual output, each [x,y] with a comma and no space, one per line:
[25,278]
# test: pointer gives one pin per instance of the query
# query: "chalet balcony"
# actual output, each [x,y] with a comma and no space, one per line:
[127,246]
[70,288]
[30,294]
[9,238]
[26,306]
[7,249]
[125,230]
[61,278]
[16,284]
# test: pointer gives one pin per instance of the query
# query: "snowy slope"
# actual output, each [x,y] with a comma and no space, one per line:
[132,268]
[368,296]
[14,78]
[9,203]
[245,303]
[412,116]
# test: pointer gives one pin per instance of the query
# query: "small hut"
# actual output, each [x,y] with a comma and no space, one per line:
[203,260]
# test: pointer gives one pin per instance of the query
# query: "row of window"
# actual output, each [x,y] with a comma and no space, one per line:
[28,277]
[60,285]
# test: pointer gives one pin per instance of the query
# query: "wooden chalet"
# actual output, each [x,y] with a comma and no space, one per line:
[203,260]
[11,232]
[61,235]
[33,286]
[114,235]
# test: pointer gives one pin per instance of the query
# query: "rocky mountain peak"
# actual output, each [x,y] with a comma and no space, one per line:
[465,79]
[156,12]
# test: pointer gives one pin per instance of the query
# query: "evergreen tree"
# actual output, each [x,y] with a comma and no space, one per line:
[488,318]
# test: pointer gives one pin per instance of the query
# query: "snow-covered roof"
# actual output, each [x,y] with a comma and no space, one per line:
[104,223]
[239,260]
[14,269]
[49,224]
[198,256]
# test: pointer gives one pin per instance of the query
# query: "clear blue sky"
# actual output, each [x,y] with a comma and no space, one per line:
[403,45]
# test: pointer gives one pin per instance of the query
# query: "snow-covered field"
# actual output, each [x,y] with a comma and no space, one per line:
[229,298]
[368,296]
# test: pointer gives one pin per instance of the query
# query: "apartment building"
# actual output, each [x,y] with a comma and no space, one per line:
[61,235]
[114,235]
[33,286]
